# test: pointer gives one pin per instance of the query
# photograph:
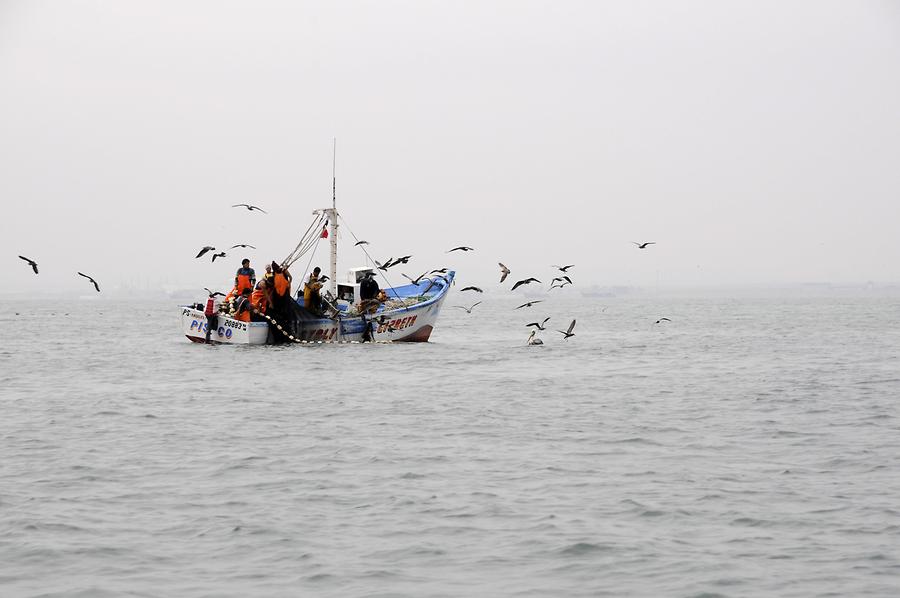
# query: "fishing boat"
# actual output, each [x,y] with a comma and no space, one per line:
[406,313]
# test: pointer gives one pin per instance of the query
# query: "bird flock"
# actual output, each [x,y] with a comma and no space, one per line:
[561,280]
[558,282]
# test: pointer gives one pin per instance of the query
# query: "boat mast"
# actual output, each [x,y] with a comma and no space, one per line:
[334,219]
[332,215]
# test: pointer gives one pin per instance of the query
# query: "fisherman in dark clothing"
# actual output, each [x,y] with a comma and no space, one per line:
[368,302]
[368,292]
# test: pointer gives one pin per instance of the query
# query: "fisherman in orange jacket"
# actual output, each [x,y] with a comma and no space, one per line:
[282,280]
[259,298]
[242,307]
[245,277]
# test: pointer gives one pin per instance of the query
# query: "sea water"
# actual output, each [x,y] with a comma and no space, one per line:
[750,446]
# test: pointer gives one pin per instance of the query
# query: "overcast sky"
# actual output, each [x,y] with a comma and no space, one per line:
[755,142]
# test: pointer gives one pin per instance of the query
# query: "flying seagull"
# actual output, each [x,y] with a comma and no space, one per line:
[568,332]
[249,207]
[94,282]
[213,293]
[504,272]
[525,281]
[415,281]
[561,279]
[31,263]
[564,269]
[242,245]
[205,249]
[401,260]
[644,245]
[468,309]
[558,286]
[220,254]
[383,267]
[439,271]
[360,243]
[663,320]
[431,283]
[476,289]
[461,248]
[539,326]
[532,340]
[529,304]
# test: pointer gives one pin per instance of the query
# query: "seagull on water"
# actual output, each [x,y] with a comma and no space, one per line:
[568,332]
[468,309]
[644,245]
[94,282]
[529,304]
[249,207]
[663,320]
[525,281]
[504,272]
[532,340]
[31,263]
[204,250]
[539,326]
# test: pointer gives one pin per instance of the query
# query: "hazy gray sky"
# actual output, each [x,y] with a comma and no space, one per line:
[756,142]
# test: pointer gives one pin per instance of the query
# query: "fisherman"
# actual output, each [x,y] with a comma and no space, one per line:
[242,306]
[245,277]
[259,298]
[312,299]
[281,280]
[368,294]
[282,310]
[212,318]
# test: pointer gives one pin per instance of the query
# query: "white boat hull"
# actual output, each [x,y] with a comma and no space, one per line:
[404,324]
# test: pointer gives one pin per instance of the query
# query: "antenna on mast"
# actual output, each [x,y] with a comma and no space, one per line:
[334,217]
[333,171]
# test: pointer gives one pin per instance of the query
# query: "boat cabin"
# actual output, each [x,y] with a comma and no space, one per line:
[348,291]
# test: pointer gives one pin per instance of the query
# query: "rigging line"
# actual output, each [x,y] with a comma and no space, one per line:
[382,273]
[309,263]
[303,240]
[308,239]
[291,255]
[305,244]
